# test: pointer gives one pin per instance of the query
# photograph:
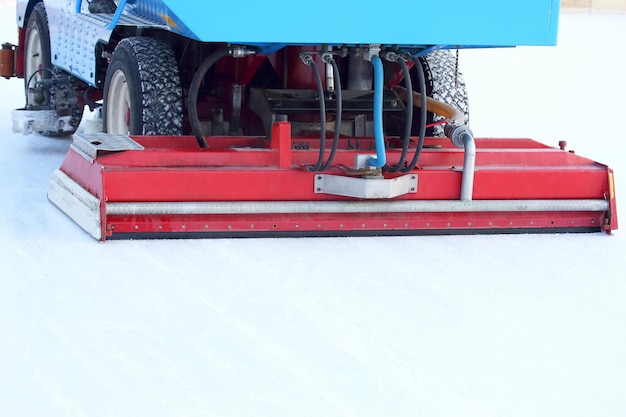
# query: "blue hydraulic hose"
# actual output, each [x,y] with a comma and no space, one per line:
[381,156]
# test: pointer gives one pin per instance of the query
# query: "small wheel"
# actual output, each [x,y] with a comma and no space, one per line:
[38,65]
[142,92]
[444,83]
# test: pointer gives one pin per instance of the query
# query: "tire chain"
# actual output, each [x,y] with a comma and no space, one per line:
[160,84]
[447,85]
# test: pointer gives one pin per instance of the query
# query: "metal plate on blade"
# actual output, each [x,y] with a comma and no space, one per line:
[92,143]
[79,204]
[365,187]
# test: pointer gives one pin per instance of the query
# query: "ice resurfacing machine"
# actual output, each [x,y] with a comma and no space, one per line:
[276,118]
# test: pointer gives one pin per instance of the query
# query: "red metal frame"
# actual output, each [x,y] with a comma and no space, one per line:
[244,169]
[19,53]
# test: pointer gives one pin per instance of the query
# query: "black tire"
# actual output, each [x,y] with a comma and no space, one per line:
[443,83]
[38,64]
[149,100]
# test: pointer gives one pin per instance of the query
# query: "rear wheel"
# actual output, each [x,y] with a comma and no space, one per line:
[38,66]
[444,83]
[36,51]
[142,92]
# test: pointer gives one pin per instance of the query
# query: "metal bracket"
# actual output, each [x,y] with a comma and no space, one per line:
[367,188]
[91,143]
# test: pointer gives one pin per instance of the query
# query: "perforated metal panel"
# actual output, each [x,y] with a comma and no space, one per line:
[92,143]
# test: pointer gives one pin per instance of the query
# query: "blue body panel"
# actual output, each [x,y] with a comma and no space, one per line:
[417,25]
[403,22]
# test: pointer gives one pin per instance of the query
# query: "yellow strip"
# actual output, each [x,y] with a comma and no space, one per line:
[170,22]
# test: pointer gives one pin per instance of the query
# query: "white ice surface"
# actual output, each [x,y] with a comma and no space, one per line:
[395,326]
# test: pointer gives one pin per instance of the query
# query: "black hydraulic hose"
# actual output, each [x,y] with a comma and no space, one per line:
[408,122]
[194,89]
[423,114]
[92,104]
[320,91]
[40,70]
[338,114]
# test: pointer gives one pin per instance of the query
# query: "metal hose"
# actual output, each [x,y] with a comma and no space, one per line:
[469,166]
[462,137]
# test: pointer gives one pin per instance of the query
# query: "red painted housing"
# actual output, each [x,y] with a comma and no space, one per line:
[264,188]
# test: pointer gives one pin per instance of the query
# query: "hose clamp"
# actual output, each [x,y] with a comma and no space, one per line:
[238,51]
[372,50]
[306,58]
[456,133]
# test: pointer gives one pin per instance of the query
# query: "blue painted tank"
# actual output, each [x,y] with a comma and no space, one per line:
[418,26]
[405,22]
